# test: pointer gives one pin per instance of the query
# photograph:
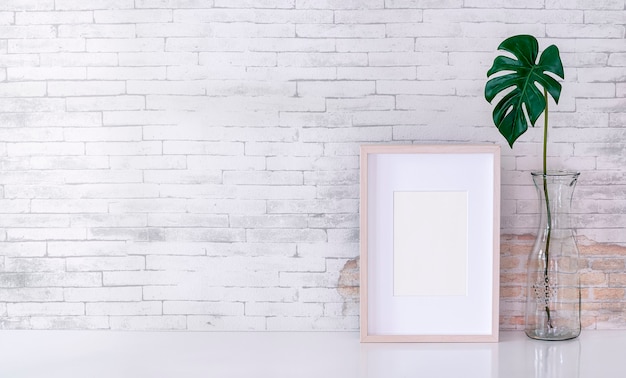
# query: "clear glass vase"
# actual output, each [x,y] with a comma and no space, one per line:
[553,289]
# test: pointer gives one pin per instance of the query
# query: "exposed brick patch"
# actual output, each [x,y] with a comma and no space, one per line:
[348,283]
[602,280]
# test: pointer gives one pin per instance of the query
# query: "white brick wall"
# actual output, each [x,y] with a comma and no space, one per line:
[193,164]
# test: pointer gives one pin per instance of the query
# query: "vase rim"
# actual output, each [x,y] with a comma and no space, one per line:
[556,173]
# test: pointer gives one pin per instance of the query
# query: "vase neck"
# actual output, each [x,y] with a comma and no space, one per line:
[555,191]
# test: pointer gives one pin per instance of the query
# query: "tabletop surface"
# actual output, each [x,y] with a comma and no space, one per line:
[94,354]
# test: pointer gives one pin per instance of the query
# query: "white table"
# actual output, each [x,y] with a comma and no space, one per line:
[95,354]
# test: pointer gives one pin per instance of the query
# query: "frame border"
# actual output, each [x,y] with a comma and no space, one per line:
[365,152]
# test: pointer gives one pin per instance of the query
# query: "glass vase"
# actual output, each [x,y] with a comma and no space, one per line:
[553,289]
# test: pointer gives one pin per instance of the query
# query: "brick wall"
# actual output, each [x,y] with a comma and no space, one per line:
[193,164]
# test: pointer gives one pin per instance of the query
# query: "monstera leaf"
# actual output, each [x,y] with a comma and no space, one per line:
[523,104]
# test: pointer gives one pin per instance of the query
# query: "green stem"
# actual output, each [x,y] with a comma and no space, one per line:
[548,212]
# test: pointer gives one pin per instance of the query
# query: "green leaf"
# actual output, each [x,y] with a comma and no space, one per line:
[522,102]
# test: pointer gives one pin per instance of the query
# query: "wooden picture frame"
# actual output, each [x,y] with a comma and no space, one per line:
[430,243]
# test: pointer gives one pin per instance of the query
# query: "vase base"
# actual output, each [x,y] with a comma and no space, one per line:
[552,334]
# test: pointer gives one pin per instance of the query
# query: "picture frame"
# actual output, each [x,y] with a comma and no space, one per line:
[430,243]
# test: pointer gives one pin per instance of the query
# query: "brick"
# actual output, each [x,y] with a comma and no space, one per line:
[43,309]
[252,88]
[58,279]
[316,279]
[22,89]
[123,308]
[32,295]
[354,135]
[230,323]
[424,3]
[321,323]
[284,309]
[131,59]
[304,119]
[202,148]
[184,177]
[148,323]
[593,279]
[281,235]
[69,322]
[26,5]
[604,16]
[207,44]
[34,220]
[606,74]
[365,103]
[43,234]
[226,235]
[105,294]
[338,30]
[262,178]
[296,45]
[232,206]
[608,294]
[226,162]
[93,4]
[45,73]
[584,4]
[14,205]
[123,148]
[78,60]
[188,220]
[68,162]
[336,88]
[124,16]
[311,163]
[105,103]
[46,45]
[165,87]
[18,60]
[108,220]
[88,264]
[293,59]
[86,88]
[7,18]
[86,248]
[125,44]
[504,4]
[364,73]
[340,4]
[105,133]
[387,16]
[394,59]
[27,32]
[53,18]
[496,15]
[123,73]
[268,221]
[588,31]
[261,16]
[387,44]
[235,102]
[23,249]
[146,278]
[96,31]
[315,207]
[236,30]
[203,308]
[278,4]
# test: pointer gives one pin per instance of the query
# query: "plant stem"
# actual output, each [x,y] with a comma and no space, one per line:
[548,212]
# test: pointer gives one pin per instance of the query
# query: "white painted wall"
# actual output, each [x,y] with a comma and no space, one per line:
[193,164]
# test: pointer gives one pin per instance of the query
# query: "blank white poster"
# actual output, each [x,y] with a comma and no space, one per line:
[430,243]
